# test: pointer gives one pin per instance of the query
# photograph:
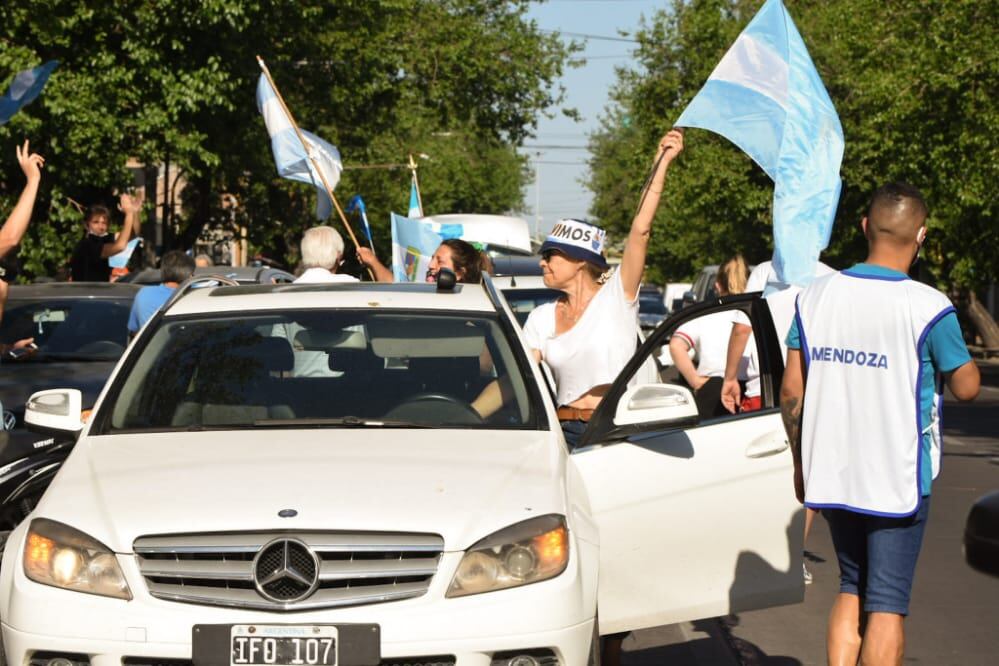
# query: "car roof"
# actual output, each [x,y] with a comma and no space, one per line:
[63,290]
[270,297]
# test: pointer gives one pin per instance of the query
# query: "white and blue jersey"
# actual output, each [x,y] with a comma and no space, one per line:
[875,344]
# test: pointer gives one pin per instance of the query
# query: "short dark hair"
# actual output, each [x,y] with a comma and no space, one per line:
[176,266]
[96,210]
[895,195]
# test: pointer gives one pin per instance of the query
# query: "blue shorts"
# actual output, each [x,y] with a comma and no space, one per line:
[877,556]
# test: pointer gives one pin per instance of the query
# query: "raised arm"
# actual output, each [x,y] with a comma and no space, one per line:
[13,229]
[130,205]
[370,260]
[633,261]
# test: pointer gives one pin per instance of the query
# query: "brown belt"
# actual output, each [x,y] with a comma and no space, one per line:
[574,414]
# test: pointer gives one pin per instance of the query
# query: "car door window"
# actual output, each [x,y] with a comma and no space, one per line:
[688,393]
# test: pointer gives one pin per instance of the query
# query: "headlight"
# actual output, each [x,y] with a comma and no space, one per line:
[528,552]
[58,555]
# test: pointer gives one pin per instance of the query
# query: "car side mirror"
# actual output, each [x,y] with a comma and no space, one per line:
[56,411]
[981,535]
[648,403]
[688,298]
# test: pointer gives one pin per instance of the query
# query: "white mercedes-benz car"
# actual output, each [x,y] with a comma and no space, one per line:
[297,474]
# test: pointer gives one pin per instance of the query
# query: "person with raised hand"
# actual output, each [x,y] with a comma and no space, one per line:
[89,262]
[17,222]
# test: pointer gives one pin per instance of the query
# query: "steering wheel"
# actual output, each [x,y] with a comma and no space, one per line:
[436,406]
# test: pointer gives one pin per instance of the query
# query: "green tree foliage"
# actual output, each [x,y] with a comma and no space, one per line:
[915,88]
[173,81]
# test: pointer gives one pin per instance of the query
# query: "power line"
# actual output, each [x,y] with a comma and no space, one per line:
[553,147]
[583,35]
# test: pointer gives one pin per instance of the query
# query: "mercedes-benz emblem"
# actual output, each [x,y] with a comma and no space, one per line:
[285,571]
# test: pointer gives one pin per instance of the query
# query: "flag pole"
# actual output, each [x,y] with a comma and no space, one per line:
[416,181]
[305,146]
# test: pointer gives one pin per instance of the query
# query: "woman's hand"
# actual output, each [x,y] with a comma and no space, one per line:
[672,145]
[131,204]
[31,163]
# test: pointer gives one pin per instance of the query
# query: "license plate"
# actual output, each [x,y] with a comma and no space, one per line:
[283,645]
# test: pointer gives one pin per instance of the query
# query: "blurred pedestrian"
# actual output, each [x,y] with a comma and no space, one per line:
[708,336]
[89,262]
[17,222]
[861,400]
[175,267]
[203,261]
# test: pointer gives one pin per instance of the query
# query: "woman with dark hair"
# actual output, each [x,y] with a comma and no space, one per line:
[466,261]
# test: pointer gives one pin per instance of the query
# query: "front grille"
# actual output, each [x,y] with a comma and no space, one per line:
[439,660]
[230,569]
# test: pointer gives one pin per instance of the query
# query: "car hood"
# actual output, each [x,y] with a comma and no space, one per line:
[19,380]
[460,484]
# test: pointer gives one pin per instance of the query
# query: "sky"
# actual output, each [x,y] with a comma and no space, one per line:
[558,153]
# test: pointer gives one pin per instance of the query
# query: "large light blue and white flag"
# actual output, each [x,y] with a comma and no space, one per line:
[415,206]
[290,155]
[414,242]
[24,89]
[766,97]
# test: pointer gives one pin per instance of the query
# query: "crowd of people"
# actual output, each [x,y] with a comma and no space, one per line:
[867,352]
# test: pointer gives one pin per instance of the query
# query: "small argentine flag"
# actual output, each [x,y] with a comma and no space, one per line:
[24,89]
[766,97]
[289,155]
[415,207]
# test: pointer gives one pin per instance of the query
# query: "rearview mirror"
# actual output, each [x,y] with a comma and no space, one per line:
[56,411]
[656,403]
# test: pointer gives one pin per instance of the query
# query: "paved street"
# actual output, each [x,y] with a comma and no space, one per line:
[955,610]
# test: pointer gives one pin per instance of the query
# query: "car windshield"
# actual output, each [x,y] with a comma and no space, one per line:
[523,301]
[78,329]
[315,368]
[651,304]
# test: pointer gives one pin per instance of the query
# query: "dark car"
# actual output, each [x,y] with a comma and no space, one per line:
[651,308]
[241,274]
[80,330]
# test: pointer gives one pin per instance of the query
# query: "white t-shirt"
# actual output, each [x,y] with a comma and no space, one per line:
[310,363]
[780,297]
[321,275]
[709,336]
[595,350]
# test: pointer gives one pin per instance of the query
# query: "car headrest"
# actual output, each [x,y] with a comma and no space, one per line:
[272,354]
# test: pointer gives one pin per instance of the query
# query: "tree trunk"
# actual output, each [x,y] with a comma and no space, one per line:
[983,321]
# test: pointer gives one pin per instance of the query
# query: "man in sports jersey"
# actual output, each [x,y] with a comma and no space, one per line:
[861,399]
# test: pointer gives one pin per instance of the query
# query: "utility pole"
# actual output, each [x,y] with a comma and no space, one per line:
[537,196]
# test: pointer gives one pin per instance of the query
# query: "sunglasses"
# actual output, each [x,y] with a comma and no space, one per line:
[548,254]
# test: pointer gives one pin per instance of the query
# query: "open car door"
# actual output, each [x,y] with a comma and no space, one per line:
[696,512]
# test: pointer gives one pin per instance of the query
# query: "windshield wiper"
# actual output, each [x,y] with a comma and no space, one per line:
[348,421]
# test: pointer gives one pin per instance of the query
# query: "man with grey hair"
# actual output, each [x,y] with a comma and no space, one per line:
[322,248]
